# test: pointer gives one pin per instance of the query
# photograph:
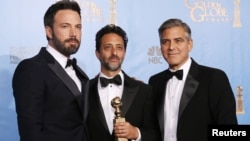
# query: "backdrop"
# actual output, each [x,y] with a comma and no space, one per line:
[220,30]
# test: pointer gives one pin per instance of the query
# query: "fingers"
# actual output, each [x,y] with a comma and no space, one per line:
[120,129]
[120,132]
[125,130]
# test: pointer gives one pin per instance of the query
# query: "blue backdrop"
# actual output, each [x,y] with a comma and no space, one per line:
[221,34]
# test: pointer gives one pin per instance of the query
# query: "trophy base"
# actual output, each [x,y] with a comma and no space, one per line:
[121,139]
[116,121]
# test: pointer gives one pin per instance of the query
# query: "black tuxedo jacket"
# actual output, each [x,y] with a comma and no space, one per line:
[137,108]
[207,98]
[49,105]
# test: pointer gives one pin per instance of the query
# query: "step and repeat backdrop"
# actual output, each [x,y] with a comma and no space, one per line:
[220,31]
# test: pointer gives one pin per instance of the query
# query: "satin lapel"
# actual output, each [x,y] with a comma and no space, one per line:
[129,93]
[81,74]
[189,88]
[96,104]
[85,90]
[61,73]
[67,81]
[85,93]
[127,98]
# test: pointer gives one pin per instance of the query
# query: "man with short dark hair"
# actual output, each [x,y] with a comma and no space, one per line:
[49,88]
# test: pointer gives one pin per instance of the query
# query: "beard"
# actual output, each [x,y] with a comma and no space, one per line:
[62,46]
[111,67]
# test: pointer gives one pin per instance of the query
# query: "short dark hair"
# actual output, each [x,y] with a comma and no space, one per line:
[60,5]
[175,23]
[110,28]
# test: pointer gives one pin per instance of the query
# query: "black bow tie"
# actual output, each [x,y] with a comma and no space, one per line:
[116,80]
[178,74]
[71,62]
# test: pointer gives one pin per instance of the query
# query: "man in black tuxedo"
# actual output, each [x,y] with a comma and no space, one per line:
[137,105]
[50,94]
[189,96]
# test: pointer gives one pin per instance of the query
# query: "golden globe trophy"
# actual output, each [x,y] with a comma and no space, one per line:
[112,12]
[236,19]
[117,104]
[240,108]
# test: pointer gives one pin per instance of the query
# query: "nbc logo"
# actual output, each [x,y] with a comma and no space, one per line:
[155,56]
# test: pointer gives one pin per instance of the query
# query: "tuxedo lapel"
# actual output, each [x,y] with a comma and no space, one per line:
[127,98]
[85,94]
[85,90]
[129,93]
[189,89]
[81,75]
[61,73]
[65,78]
[67,81]
[188,92]
[96,106]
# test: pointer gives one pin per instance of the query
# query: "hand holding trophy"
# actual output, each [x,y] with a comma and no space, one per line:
[117,104]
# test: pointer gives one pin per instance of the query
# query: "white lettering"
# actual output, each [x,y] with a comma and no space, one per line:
[231,133]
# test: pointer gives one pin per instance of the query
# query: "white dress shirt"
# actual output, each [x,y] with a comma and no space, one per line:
[106,94]
[173,94]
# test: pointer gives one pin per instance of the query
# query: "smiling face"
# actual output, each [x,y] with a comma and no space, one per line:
[111,54]
[175,46]
[65,35]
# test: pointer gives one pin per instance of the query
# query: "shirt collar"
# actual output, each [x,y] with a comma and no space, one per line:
[186,68]
[59,57]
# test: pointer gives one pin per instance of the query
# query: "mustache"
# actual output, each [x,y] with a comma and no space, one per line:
[114,57]
[72,39]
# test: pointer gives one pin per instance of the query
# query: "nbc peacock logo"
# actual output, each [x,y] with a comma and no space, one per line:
[155,55]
